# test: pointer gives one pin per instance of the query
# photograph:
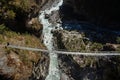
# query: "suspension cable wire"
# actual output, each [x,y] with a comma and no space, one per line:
[67,52]
[27,48]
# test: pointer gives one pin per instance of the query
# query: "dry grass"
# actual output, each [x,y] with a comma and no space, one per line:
[26,58]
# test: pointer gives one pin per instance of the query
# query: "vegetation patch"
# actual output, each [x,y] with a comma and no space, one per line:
[25,58]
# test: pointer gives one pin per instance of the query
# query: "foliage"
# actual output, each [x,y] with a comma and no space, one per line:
[9,9]
[15,13]
[74,45]
[3,28]
[96,47]
[10,14]
[6,11]
[118,40]
[21,40]
[24,5]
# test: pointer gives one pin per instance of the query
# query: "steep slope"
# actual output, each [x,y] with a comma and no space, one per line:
[17,64]
[102,13]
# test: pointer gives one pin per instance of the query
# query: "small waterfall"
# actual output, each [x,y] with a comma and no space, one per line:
[54,73]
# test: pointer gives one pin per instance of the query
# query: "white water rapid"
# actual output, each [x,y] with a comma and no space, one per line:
[54,73]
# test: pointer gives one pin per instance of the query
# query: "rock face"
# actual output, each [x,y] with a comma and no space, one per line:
[21,15]
[11,67]
[79,67]
[18,64]
[102,13]
[69,40]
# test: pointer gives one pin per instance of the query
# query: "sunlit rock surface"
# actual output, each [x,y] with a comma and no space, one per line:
[79,67]
[18,64]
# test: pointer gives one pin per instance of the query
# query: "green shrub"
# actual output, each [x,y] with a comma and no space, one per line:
[10,14]
[118,40]
[24,5]
[96,47]
[3,28]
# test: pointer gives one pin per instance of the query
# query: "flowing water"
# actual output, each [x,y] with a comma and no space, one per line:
[82,26]
[54,73]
